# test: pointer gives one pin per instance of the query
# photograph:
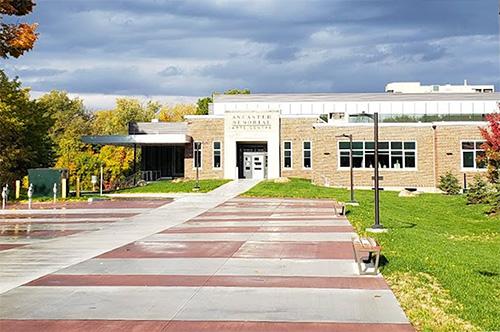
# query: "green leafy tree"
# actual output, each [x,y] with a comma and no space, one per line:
[70,120]
[116,160]
[113,122]
[202,103]
[24,142]
[237,92]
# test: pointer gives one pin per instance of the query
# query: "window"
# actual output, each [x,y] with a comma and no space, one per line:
[471,151]
[392,154]
[287,154]
[197,154]
[307,154]
[217,154]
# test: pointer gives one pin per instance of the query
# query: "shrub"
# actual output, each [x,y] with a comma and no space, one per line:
[494,200]
[449,184]
[479,192]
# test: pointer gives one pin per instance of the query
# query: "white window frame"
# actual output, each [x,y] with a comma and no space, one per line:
[364,168]
[194,155]
[304,157]
[291,155]
[475,168]
[213,154]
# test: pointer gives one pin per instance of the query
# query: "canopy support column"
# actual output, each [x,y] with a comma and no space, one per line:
[135,163]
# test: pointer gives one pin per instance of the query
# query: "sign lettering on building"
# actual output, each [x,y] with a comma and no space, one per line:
[247,122]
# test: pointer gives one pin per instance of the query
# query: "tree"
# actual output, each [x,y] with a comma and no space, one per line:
[15,39]
[116,160]
[448,183]
[68,116]
[491,146]
[24,142]
[202,103]
[177,112]
[237,92]
[113,122]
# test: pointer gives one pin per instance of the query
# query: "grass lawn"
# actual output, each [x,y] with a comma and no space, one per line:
[168,186]
[443,256]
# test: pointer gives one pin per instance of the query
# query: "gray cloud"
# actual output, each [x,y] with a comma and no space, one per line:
[157,47]
[170,71]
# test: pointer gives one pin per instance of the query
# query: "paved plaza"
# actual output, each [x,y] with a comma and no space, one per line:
[214,262]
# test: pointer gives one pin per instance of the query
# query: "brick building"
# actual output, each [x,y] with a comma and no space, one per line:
[422,136]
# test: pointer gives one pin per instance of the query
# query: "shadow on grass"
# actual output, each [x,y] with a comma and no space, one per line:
[405,224]
[383,261]
[488,273]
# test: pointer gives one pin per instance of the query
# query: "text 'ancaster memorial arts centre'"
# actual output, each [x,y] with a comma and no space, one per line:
[424,132]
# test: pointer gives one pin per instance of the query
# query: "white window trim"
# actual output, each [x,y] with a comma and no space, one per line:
[303,155]
[213,155]
[291,155]
[470,169]
[363,169]
[201,155]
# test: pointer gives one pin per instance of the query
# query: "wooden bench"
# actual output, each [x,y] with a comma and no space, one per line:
[366,247]
[339,208]
[15,229]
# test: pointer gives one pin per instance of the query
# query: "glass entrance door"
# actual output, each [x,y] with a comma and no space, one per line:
[258,166]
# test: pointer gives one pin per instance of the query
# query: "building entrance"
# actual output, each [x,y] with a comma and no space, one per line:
[255,165]
[252,160]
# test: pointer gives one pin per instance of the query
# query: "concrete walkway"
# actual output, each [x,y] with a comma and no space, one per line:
[26,263]
[242,265]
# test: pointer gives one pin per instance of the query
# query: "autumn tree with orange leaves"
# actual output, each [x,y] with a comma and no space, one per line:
[491,146]
[17,38]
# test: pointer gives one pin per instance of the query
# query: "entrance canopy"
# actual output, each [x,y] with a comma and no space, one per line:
[137,139]
[146,133]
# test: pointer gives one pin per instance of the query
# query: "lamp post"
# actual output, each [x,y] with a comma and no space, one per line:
[197,160]
[377,225]
[351,173]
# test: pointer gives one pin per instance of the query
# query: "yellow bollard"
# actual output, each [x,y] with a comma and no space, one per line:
[18,188]
[78,187]
[63,188]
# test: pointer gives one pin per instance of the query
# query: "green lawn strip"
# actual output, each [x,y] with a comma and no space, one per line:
[436,240]
[169,186]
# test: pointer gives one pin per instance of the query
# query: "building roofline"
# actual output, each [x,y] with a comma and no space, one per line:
[354,97]
[402,124]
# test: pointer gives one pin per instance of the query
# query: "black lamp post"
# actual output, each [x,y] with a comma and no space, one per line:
[197,157]
[351,173]
[376,178]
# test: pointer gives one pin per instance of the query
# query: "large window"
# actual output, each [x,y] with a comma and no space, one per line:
[217,154]
[393,154]
[471,151]
[307,154]
[287,154]
[197,154]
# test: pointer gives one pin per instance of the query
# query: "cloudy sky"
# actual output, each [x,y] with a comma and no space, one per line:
[99,49]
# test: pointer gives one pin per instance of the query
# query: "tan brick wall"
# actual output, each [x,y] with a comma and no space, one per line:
[448,141]
[326,154]
[437,152]
[207,131]
[297,130]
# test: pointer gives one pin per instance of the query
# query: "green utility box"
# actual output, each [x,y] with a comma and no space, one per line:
[43,180]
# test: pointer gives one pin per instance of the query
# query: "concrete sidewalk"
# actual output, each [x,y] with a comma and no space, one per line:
[28,262]
[243,265]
